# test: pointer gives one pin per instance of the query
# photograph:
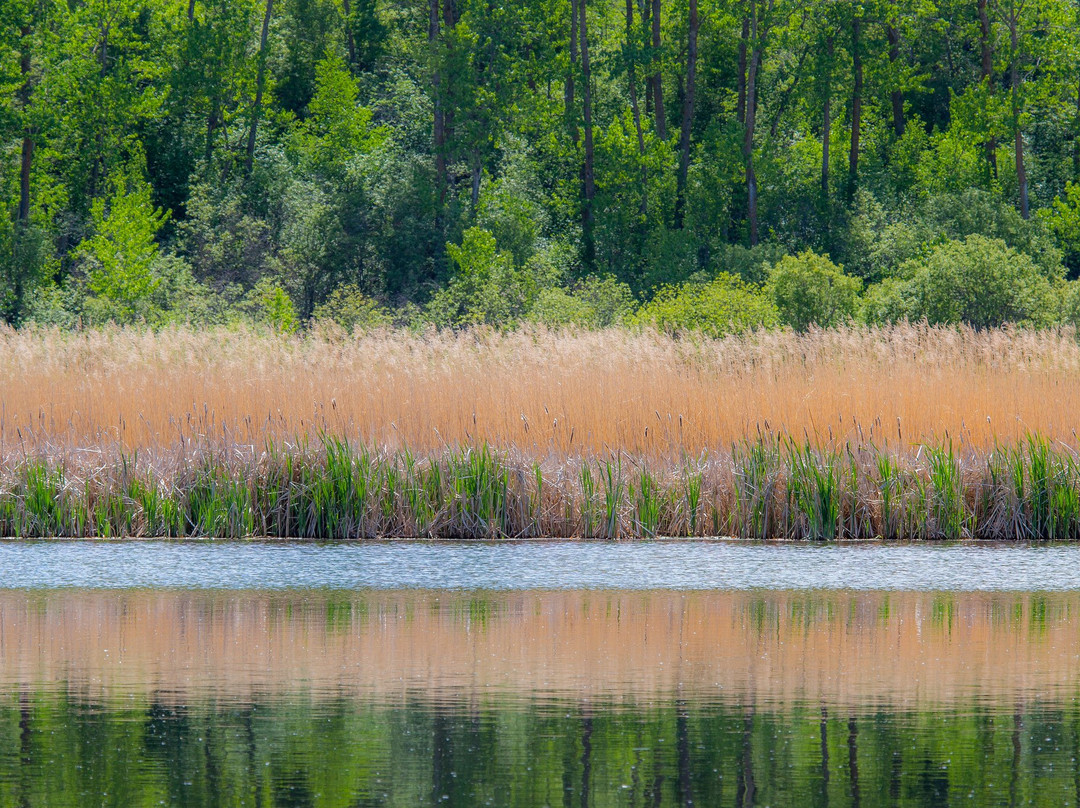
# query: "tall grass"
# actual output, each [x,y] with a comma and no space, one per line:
[537,392]
[767,488]
[904,433]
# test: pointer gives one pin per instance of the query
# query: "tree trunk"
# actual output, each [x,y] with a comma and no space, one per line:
[568,91]
[1018,136]
[99,138]
[748,128]
[826,122]
[687,116]
[740,107]
[897,95]
[477,176]
[589,182]
[1076,136]
[449,22]
[856,107]
[986,76]
[438,130]
[191,11]
[985,51]
[27,141]
[350,40]
[657,79]
[211,127]
[632,75]
[260,83]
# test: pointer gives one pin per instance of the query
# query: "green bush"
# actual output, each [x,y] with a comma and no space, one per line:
[809,289]
[1063,221]
[726,305]
[1070,304]
[486,289]
[352,310]
[270,305]
[982,282]
[118,259]
[886,303]
[596,302]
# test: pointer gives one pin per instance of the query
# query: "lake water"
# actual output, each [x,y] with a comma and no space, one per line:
[667,674]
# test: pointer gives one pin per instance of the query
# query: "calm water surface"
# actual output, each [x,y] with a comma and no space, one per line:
[529,675]
[539,565]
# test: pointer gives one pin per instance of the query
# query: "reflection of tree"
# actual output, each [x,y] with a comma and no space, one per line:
[586,758]
[823,727]
[345,751]
[682,746]
[745,787]
[25,754]
[853,761]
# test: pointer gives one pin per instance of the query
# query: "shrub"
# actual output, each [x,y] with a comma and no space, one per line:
[1063,221]
[486,288]
[596,302]
[982,282]
[118,258]
[352,310]
[268,304]
[809,289]
[886,303]
[1070,304]
[726,305]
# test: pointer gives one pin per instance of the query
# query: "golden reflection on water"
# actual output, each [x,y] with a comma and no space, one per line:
[894,649]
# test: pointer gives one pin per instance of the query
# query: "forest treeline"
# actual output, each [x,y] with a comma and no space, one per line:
[715,164]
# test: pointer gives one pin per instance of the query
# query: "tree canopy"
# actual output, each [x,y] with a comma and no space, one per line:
[459,162]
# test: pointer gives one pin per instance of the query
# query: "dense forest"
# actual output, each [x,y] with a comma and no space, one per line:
[717,164]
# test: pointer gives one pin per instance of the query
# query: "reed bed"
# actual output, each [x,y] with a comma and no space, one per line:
[904,433]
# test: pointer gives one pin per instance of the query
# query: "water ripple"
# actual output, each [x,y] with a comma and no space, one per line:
[555,565]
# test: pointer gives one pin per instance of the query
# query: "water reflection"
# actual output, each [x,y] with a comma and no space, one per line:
[587,698]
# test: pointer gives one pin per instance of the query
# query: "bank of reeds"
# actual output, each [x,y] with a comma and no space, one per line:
[769,487]
[539,393]
[904,433]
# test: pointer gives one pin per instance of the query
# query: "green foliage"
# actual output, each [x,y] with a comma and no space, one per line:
[725,305]
[485,289]
[377,142]
[809,289]
[24,269]
[1063,220]
[118,258]
[886,303]
[981,282]
[596,302]
[353,310]
[337,128]
[269,304]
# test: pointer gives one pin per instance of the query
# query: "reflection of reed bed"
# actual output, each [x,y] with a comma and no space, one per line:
[910,432]
[769,487]
[897,649]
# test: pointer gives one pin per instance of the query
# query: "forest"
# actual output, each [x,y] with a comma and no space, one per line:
[709,165]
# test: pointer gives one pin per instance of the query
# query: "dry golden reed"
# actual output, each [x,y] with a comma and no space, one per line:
[542,394]
[904,433]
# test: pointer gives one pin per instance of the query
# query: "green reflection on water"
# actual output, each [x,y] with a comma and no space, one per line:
[147,698]
[298,751]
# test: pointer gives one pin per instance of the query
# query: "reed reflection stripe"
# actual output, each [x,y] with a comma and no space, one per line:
[905,650]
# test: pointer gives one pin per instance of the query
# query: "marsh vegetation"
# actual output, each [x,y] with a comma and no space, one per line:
[906,432]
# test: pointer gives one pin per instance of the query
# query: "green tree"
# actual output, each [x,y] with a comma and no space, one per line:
[809,289]
[725,305]
[981,282]
[118,258]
